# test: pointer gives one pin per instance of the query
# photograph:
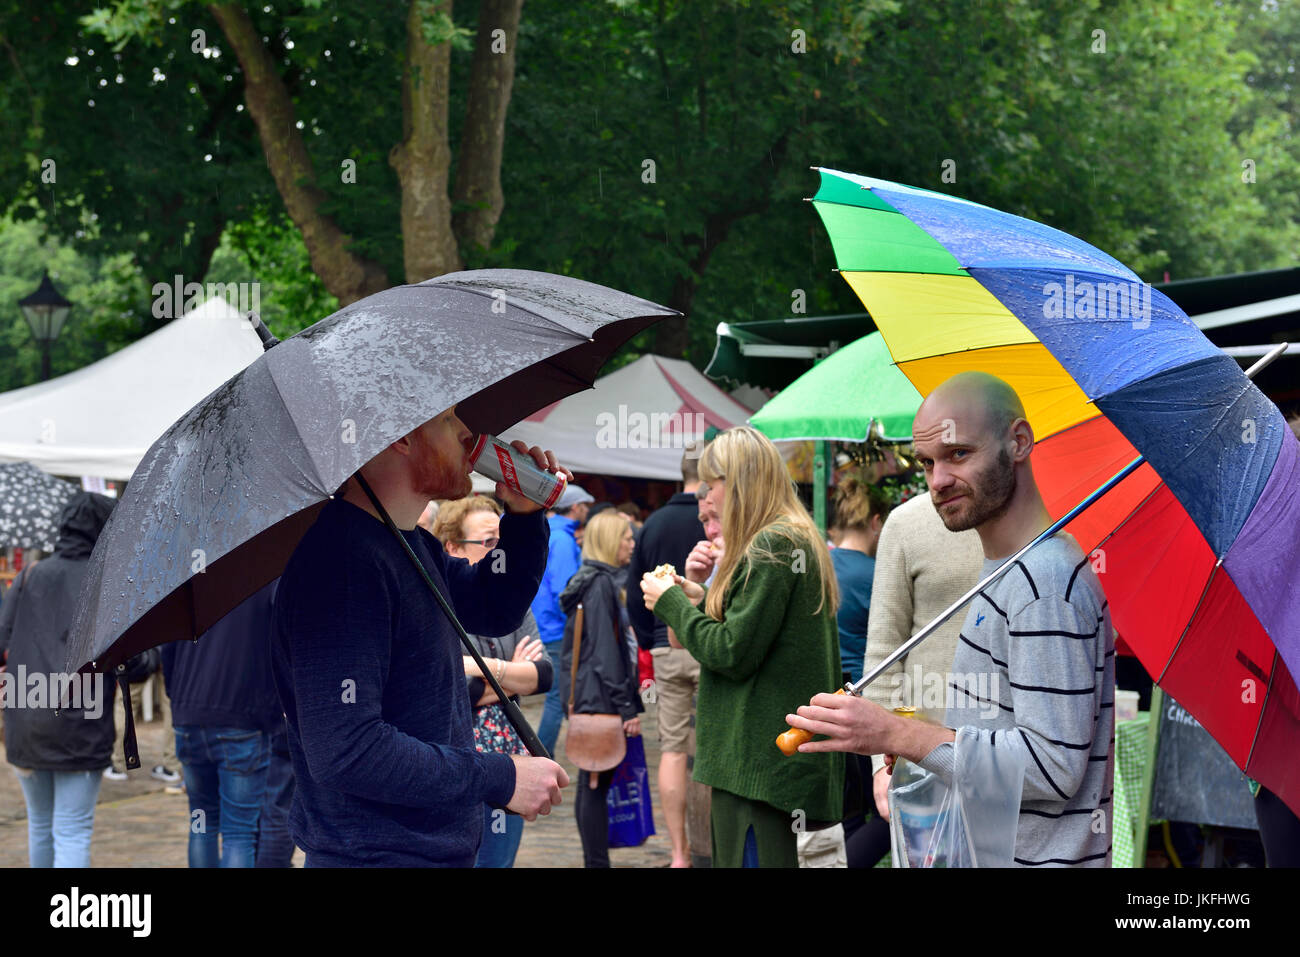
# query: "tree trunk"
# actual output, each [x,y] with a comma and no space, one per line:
[345,275]
[477,196]
[423,158]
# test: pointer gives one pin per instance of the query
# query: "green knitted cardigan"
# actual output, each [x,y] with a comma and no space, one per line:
[771,652]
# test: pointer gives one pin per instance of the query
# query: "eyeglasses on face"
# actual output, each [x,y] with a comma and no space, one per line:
[488,543]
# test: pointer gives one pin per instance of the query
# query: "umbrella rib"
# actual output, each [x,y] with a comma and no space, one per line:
[475,292]
[1263,707]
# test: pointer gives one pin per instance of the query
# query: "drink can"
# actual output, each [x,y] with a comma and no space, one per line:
[516,470]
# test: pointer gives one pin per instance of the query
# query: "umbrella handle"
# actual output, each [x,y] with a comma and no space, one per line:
[789,741]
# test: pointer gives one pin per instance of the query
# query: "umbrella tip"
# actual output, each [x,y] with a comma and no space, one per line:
[263,333]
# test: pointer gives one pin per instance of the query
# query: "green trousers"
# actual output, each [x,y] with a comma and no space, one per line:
[732,816]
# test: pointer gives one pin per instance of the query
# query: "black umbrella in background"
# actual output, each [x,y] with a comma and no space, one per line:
[30,503]
[218,504]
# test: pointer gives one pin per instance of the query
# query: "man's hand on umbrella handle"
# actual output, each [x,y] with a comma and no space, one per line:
[537,786]
[517,504]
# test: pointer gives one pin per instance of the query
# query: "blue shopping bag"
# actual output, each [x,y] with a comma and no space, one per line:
[631,817]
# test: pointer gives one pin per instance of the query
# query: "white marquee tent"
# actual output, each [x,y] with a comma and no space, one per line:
[635,422]
[101,419]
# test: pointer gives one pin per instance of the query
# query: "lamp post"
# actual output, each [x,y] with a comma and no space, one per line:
[46,311]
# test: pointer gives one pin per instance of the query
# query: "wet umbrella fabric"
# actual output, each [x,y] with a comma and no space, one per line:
[30,503]
[1197,550]
[219,503]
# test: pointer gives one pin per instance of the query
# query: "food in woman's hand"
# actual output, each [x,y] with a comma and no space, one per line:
[664,571]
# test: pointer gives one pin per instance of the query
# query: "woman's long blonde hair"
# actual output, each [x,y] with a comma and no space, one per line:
[760,495]
[602,536]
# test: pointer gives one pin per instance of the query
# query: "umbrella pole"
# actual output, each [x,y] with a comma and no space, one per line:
[857,687]
[517,719]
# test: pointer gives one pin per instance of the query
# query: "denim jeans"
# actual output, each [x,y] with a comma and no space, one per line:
[548,732]
[274,846]
[499,846]
[225,778]
[60,815]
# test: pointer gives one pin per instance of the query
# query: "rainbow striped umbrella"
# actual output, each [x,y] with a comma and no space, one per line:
[1199,549]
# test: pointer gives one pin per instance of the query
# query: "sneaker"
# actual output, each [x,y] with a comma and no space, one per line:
[164,774]
[113,774]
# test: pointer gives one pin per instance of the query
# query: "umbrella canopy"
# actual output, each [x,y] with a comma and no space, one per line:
[30,503]
[221,500]
[1197,550]
[842,396]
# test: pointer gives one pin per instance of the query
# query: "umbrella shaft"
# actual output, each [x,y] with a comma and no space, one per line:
[517,720]
[857,687]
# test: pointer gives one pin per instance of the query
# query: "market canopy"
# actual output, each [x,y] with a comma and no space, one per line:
[635,422]
[101,419]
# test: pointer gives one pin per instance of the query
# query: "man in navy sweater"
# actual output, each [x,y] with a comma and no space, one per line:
[371,675]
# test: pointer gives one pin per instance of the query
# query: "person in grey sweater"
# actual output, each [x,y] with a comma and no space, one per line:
[1034,670]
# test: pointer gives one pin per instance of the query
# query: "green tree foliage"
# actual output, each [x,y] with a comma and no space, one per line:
[1127,124]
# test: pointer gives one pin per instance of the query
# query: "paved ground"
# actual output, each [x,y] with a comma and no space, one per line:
[137,824]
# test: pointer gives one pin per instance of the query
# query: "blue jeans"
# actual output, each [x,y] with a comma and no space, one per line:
[274,846]
[225,778]
[548,732]
[60,815]
[499,846]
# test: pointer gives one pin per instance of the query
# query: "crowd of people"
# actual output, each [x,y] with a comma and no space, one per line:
[335,709]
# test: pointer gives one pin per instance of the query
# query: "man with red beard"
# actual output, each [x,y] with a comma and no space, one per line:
[1034,671]
[371,675]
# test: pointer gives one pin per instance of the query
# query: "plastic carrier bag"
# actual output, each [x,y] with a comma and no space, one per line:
[971,823]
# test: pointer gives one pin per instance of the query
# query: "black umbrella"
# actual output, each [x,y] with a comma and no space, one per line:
[218,504]
[30,503]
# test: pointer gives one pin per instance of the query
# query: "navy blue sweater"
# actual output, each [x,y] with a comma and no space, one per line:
[371,677]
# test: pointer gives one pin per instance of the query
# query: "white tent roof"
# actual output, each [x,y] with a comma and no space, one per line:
[635,421]
[101,419]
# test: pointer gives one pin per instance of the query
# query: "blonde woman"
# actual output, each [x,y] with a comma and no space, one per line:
[606,681]
[764,633]
[470,528]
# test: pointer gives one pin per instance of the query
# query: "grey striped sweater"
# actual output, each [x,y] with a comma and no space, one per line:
[1035,671]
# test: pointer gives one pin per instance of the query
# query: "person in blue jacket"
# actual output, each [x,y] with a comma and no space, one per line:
[371,673]
[562,560]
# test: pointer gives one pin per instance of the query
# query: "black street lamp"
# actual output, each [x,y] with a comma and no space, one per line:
[46,311]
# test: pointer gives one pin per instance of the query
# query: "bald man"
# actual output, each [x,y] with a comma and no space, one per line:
[1034,670]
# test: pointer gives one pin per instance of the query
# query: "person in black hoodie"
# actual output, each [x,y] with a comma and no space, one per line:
[606,681]
[225,709]
[59,753]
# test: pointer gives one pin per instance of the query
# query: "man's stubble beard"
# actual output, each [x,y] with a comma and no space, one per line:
[434,477]
[990,496]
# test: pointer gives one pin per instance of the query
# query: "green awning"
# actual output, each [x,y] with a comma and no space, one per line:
[772,353]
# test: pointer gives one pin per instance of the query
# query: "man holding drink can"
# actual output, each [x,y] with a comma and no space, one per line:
[370,671]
